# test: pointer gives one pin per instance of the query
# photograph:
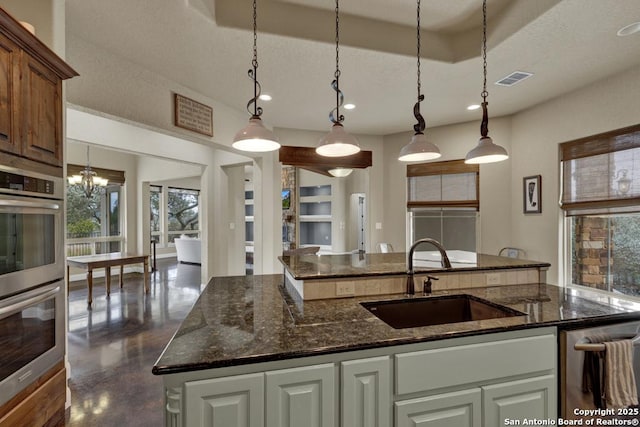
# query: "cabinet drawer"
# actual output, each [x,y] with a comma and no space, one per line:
[457,409]
[446,367]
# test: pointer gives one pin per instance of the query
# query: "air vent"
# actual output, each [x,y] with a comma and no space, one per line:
[513,78]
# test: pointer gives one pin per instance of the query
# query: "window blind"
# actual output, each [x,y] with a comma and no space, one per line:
[601,173]
[443,184]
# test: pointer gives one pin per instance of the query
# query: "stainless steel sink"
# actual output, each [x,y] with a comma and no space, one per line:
[416,312]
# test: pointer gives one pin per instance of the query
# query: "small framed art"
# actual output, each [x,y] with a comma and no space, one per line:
[532,194]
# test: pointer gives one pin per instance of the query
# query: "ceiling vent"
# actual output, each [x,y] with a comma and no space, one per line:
[513,78]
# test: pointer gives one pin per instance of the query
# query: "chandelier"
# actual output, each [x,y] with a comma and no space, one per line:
[88,179]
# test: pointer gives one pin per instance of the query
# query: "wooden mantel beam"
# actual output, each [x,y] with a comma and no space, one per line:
[306,157]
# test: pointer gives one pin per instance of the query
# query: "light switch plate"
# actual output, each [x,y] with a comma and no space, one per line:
[378,226]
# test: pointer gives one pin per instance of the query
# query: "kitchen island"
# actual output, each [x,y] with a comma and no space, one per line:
[252,349]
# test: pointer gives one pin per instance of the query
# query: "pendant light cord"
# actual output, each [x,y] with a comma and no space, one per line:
[484,126]
[253,73]
[335,115]
[421,125]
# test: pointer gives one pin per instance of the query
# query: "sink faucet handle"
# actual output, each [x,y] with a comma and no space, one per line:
[427,286]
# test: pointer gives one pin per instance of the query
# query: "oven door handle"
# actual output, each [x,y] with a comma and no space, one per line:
[16,304]
[29,204]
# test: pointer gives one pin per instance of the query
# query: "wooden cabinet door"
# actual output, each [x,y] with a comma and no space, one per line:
[531,398]
[457,409]
[41,113]
[301,397]
[225,402]
[366,392]
[9,96]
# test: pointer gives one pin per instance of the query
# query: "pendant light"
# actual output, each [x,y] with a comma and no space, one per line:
[486,151]
[337,143]
[88,179]
[419,149]
[340,172]
[255,137]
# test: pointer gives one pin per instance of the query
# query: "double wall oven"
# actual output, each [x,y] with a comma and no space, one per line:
[32,307]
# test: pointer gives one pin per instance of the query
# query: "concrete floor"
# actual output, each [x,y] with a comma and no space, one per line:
[113,346]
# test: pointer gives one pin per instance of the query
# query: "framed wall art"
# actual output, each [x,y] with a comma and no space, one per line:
[532,194]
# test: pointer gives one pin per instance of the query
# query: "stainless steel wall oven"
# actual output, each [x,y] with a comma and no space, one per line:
[32,300]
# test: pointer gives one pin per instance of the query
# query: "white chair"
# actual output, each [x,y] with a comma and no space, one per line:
[385,248]
[188,250]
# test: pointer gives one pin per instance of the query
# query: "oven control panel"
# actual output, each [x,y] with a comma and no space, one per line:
[12,181]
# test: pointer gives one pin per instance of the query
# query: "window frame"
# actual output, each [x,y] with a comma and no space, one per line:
[614,205]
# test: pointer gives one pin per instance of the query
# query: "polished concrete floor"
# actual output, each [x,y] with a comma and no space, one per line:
[113,346]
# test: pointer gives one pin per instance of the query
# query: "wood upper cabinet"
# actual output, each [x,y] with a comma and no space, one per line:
[31,78]
[41,113]
[9,84]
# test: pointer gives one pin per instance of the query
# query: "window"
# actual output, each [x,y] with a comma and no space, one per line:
[601,202]
[443,202]
[155,205]
[182,213]
[94,223]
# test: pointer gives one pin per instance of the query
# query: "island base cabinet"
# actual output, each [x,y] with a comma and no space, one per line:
[457,409]
[301,397]
[530,399]
[224,402]
[366,392]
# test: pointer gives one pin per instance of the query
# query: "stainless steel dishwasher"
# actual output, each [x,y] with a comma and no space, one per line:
[572,360]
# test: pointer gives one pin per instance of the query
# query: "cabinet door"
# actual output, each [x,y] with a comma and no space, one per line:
[531,398]
[301,397]
[458,409]
[41,113]
[225,402]
[366,392]
[9,90]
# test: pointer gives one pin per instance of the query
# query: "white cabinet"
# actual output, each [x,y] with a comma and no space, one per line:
[301,397]
[225,402]
[476,381]
[366,392]
[457,409]
[531,398]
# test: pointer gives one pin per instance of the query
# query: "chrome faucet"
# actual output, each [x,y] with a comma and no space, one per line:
[443,253]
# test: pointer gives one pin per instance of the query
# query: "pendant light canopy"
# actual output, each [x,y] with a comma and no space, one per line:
[486,151]
[255,137]
[419,149]
[337,143]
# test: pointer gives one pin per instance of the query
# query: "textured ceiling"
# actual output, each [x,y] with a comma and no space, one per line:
[206,45]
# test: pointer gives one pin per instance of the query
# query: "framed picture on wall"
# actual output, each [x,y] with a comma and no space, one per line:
[531,192]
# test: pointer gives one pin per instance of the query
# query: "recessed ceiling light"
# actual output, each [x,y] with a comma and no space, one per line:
[627,30]
[265,97]
[473,107]
[349,106]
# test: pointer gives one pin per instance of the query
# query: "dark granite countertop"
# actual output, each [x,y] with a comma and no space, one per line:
[251,319]
[331,266]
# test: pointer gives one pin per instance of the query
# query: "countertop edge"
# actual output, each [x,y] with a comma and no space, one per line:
[568,324]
